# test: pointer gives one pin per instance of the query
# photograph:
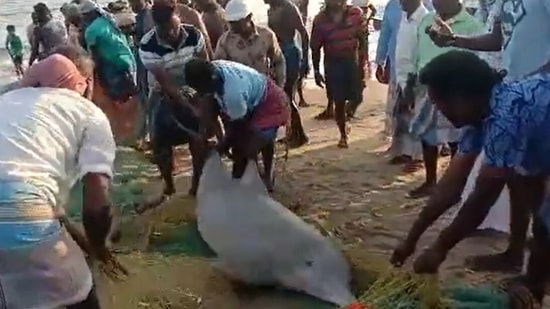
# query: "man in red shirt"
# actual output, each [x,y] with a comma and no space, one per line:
[339,29]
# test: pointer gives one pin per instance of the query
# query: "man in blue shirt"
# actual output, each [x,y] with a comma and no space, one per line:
[510,122]
[251,105]
[521,30]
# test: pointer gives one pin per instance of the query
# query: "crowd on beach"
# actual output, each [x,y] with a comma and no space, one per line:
[472,85]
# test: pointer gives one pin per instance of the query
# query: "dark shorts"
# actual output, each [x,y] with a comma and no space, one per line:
[17,60]
[119,84]
[167,119]
[343,80]
[293,59]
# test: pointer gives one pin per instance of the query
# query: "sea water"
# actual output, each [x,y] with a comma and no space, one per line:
[18,13]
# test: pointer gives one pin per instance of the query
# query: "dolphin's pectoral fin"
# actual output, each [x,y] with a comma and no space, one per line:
[251,178]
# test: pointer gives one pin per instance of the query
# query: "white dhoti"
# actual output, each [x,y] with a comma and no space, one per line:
[498,218]
[389,122]
[403,142]
[50,274]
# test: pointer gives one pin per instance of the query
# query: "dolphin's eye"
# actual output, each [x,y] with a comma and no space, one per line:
[309,263]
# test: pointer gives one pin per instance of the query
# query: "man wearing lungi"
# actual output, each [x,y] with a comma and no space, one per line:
[250,104]
[429,125]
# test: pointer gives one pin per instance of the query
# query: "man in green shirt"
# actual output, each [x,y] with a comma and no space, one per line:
[15,49]
[114,59]
[429,125]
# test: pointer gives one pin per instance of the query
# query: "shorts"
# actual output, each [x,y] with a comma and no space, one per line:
[17,60]
[119,84]
[293,59]
[343,80]
[269,134]
[166,123]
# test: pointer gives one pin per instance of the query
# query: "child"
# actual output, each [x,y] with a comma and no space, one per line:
[15,49]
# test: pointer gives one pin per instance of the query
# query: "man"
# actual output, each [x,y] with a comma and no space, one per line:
[164,52]
[429,125]
[285,20]
[72,22]
[52,138]
[369,12]
[250,44]
[144,23]
[512,31]
[48,33]
[189,15]
[213,16]
[385,59]
[303,8]
[339,29]
[252,106]
[509,121]
[405,149]
[115,62]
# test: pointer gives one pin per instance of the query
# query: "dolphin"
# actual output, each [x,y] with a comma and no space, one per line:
[259,241]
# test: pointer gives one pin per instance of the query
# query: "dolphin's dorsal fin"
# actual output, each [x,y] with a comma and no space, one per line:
[214,175]
[251,178]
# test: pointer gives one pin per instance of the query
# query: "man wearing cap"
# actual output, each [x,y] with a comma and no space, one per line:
[250,44]
[164,52]
[115,62]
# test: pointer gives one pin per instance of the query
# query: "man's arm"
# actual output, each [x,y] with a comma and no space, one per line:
[35,45]
[221,52]
[316,42]
[95,161]
[363,44]
[277,60]
[194,18]
[215,26]
[491,41]
[384,39]
[447,193]
[296,19]
[372,11]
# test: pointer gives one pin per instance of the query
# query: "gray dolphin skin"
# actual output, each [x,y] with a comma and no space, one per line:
[260,242]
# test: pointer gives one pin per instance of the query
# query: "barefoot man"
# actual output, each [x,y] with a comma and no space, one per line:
[285,20]
[339,29]
[213,16]
[511,35]
[164,52]
[508,121]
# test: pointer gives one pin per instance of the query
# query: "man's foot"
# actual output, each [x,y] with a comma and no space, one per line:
[412,166]
[397,160]
[192,191]
[519,294]
[268,182]
[424,190]
[343,143]
[505,262]
[303,103]
[327,114]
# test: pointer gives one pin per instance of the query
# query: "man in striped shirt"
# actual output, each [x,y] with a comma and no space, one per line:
[340,30]
[164,52]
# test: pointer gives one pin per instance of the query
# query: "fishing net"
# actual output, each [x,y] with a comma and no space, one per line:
[132,171]
[180,239]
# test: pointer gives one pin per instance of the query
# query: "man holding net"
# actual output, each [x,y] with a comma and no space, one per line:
[509,121]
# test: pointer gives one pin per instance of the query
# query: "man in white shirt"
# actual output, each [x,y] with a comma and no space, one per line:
[405,147]
[50,138]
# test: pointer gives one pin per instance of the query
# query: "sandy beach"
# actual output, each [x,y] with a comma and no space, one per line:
[352,193]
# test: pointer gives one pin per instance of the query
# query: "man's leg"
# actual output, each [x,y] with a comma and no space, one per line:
[198,158]
[298,136]
[526,195]
[340,115]
[268,155]
[91,302]
[537,275]
[430,154]
[300,90]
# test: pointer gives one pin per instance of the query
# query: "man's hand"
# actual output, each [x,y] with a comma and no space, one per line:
[319,79]
[381,75]
[429,261]
[441,33]
[403,251]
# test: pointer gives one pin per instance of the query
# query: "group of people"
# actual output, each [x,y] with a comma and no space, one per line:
[198,70]
[478,84]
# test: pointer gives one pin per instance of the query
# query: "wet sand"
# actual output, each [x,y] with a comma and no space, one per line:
[353,193]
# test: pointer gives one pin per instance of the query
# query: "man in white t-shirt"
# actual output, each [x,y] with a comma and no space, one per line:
[50,138]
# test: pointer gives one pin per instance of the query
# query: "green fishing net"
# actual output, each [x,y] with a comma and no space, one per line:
[131,171]
[180,239]
[476,297]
